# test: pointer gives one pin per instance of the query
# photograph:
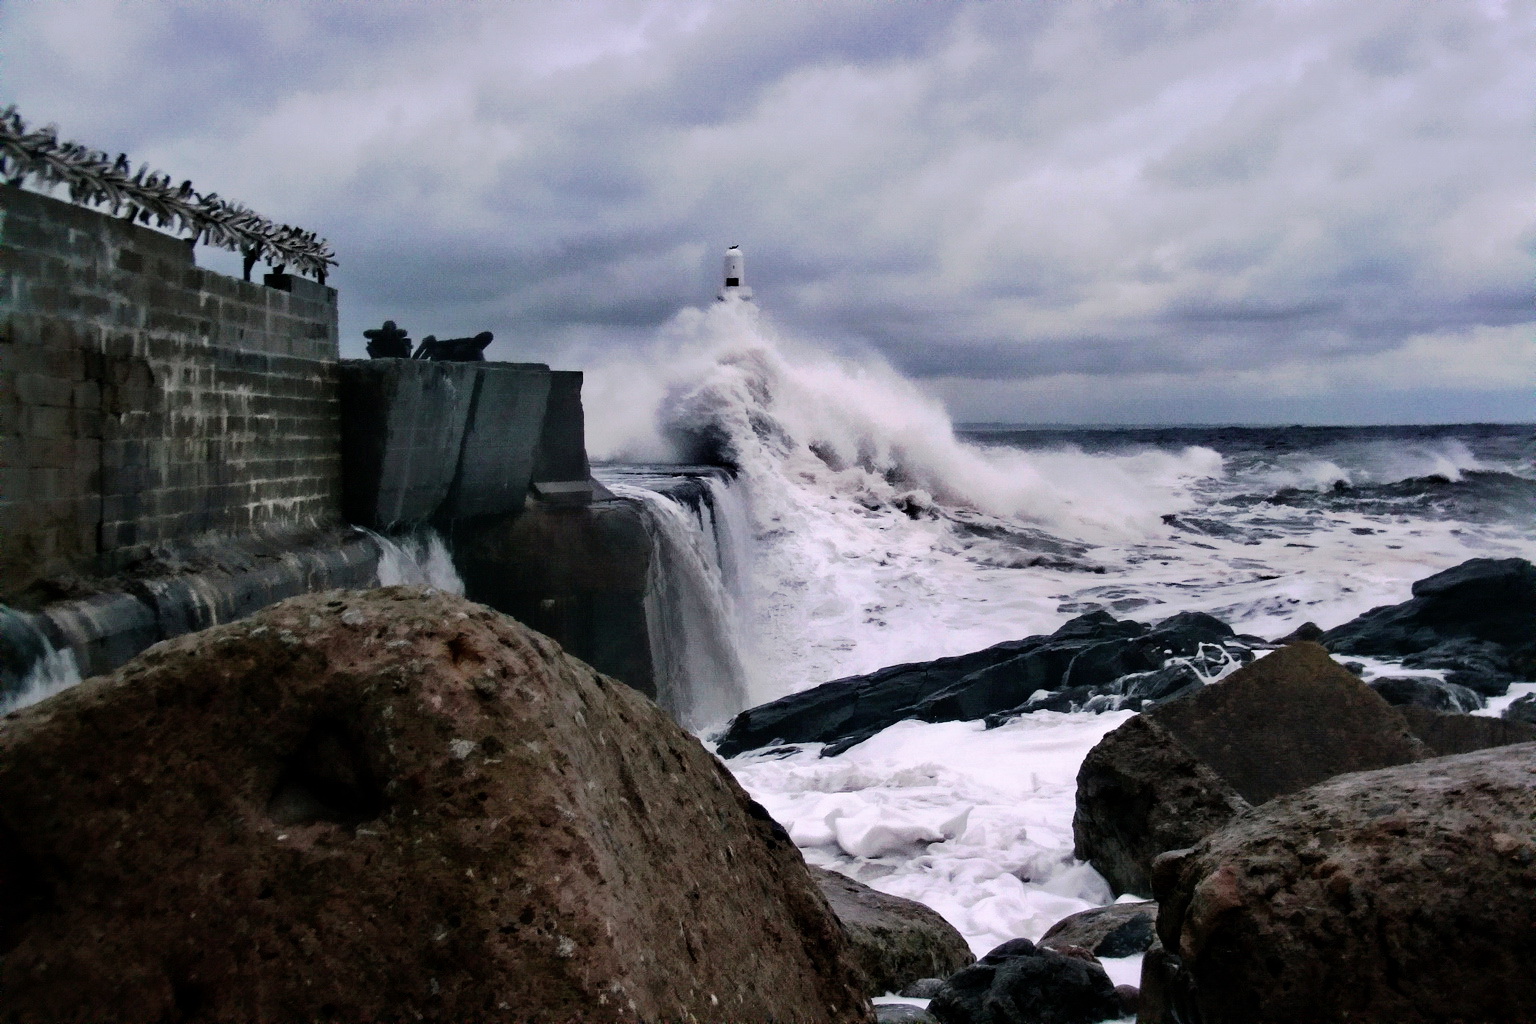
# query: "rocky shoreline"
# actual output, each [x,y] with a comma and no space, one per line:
[400,804]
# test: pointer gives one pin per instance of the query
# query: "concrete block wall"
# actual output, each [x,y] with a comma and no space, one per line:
[441,442]
[144,400]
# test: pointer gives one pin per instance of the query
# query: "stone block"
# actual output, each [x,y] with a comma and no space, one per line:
[562,440]
[501,440]
[402,428]
[37,389]
[45,422]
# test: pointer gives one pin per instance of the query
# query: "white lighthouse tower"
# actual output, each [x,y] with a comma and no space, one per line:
[735,286]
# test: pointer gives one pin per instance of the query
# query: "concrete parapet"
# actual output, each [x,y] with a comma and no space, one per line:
[443,442]
[402,431]
[562,454]
[506,426]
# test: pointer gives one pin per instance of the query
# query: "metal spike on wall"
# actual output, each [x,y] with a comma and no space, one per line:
[93,178]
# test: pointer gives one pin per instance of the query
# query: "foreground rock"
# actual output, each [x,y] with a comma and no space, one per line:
[1093,662]
[391,805]
[1403,895]
[1174,774]
[1473,620]
[896,942]
[1018,983]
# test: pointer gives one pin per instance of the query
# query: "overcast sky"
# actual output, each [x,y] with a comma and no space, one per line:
[1040,211]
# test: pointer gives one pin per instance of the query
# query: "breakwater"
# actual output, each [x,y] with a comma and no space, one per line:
[183,448]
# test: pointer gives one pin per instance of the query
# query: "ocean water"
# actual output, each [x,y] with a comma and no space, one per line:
[874,531]
[866,530]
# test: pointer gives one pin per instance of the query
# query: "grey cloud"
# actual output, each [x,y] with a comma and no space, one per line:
[984,190]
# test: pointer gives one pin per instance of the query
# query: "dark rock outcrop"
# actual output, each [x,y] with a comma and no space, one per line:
[1403,895]
[1447,732]
[1093,661]
[1140,792]
[1473,619]
[1018,983]
[1120,929]
[1177,772]
[391,805]
[1522,710]
[1423,692]
[896,941]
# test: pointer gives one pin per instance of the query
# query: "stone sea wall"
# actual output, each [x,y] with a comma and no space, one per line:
[179,448]
[144,399]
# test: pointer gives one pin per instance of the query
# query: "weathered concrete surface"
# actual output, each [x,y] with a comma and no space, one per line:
[562,452]
[184,588]
[428,441]
[1402,895]
[1167,778]
[391,805]
[577,574]
[403,423]
[895,941]
[501,440]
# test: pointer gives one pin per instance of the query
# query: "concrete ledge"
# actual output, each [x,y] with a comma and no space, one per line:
[106,630]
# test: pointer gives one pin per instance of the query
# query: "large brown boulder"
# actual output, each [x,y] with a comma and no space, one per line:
[1175,773]
[391,805]
[895,941]
[1403,895]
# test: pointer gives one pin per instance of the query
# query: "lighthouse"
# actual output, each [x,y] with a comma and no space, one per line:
[735,286]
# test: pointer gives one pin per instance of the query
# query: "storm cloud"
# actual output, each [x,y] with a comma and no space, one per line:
[1089,212]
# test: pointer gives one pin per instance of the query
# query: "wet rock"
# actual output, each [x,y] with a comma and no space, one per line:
[1367,898]
[1447,732]
[1424,692]
[1121,929]
[1081,665]
[1474,619]
[922,988]
[1140,792]
[896,941]
[1174,774]
[1522,710]
[421,811]
[1018,983]
[1479,665]
[1130,999]
[903,1013]
[1306,631]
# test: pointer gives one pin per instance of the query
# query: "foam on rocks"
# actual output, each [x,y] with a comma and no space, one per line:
[391,805]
